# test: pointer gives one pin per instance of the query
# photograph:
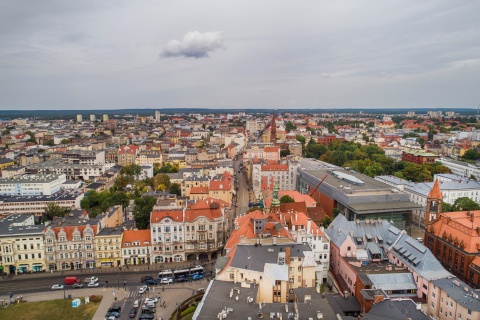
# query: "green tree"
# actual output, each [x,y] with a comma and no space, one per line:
[447,207]
[471,155]
[48,142]
[65,141]
[175,188]
[326,221]
[301,139]
[286,199]
[416,173]
[284,153]
[131,171]
[5,132]
[142,210]
[465,204]
[290,126]
[54,210]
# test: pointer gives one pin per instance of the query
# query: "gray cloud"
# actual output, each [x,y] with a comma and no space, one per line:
[194,45]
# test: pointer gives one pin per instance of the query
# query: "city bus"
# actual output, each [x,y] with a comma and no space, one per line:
[188,272]
[197,269]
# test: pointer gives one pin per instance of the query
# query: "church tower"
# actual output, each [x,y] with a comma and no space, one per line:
[273,131]
[275,206]
[434,204]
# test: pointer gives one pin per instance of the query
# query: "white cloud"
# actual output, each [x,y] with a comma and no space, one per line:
[194,45]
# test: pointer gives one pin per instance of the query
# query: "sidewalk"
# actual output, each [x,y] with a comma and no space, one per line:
[131,269]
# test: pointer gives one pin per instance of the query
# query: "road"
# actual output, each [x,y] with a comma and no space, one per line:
[36,289]
[243,194]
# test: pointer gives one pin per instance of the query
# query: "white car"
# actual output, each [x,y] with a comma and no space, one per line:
[154,300]
[142,289]
[93,284]
[57,287]
[167,280]
[94,279]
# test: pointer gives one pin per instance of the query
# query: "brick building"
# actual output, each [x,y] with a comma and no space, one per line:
[418,156]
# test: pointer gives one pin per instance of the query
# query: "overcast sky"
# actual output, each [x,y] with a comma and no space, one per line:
[239,54]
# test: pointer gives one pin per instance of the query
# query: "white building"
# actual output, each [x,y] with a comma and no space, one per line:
[157,116]
[92,117]
[284,175]
[79,118]
[32,185]
[462,169]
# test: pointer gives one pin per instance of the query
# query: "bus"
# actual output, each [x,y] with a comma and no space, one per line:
[188,272]
[165,274]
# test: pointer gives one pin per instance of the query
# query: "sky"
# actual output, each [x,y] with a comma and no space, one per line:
[117,54]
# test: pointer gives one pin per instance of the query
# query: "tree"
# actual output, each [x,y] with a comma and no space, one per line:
[465,204]
[286,199]
[326,221]
[142,210]
[65,141]
[54,210]
[161,179]
[471,155]
[301,139]
[48,142]
[284,153]
[5,132]
[175,188]
[290,126]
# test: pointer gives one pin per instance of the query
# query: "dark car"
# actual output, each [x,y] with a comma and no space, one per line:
[77,285]
[146,316]
[115,308]
[182,280]
[145,278]
[148,310]
[151,282]
[112,314]
[133,313]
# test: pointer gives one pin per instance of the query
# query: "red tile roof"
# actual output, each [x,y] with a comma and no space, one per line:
[133,236]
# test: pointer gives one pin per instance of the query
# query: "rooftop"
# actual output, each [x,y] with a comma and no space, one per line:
[460,292]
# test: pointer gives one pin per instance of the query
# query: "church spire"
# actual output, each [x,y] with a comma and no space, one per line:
[434,204]
[273,130]
[275,206]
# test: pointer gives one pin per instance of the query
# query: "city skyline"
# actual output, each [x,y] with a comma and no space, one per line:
[58,55]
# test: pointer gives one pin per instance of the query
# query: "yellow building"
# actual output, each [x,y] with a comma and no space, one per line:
[21,245]
[108,247]
[6,163]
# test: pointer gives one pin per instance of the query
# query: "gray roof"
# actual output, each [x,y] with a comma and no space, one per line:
[458,292]
[393,281]
[109,231]
[395,310]
[254,258]
[217,298]
[411,252]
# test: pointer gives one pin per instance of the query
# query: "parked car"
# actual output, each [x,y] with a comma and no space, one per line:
[77,285]
[133,313]
[113,314]
[90,279]
[154,300]
[93,284]
[148,310]
[111,318]
[142,289]
[115,308]
[57,287]
[167,280]
[146,316]
[420,239]
[151,282]
[197,277]
[179,280]
[145,278]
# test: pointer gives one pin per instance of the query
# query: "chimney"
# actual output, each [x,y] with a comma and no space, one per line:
[287,256]
[472,216]
[296,215]
[309,225]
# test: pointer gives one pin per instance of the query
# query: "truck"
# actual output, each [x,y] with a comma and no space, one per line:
[71,280]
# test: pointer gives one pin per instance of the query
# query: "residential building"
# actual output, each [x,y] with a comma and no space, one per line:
[70,247]
[284,175]
[149,157]
[463,169]
[79,118]
[21,245]
[71,171]
[197,232]
[451,298]
[108,250]
[12,172]
[136,247]
[127,154]
[92,118]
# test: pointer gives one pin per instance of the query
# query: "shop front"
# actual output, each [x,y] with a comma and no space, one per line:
[107,263]
[37,267]
[91,264]
[23,268]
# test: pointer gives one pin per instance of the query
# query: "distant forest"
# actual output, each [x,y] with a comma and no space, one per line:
[71,114]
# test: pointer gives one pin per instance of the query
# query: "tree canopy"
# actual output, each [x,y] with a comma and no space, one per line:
[286,199]
[142,210]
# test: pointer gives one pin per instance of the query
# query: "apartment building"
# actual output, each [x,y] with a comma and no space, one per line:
[136,247]
[32,185]
[108,247]
[194,233]
[21,245]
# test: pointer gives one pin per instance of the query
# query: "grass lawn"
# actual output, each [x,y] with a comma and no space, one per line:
[48,310]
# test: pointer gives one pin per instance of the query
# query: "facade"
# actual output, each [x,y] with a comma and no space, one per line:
[454,238]
[71,171]
[108,247]
[70,247]
[149,158]
[355,195]
[127,154]
[419,156]
[463,169]
[284,175]
[136,247]
[194,233]
[32,185]
[362,249]
[21,245]
[453,299]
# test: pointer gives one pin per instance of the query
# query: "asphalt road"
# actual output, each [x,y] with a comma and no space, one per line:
[242,197]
